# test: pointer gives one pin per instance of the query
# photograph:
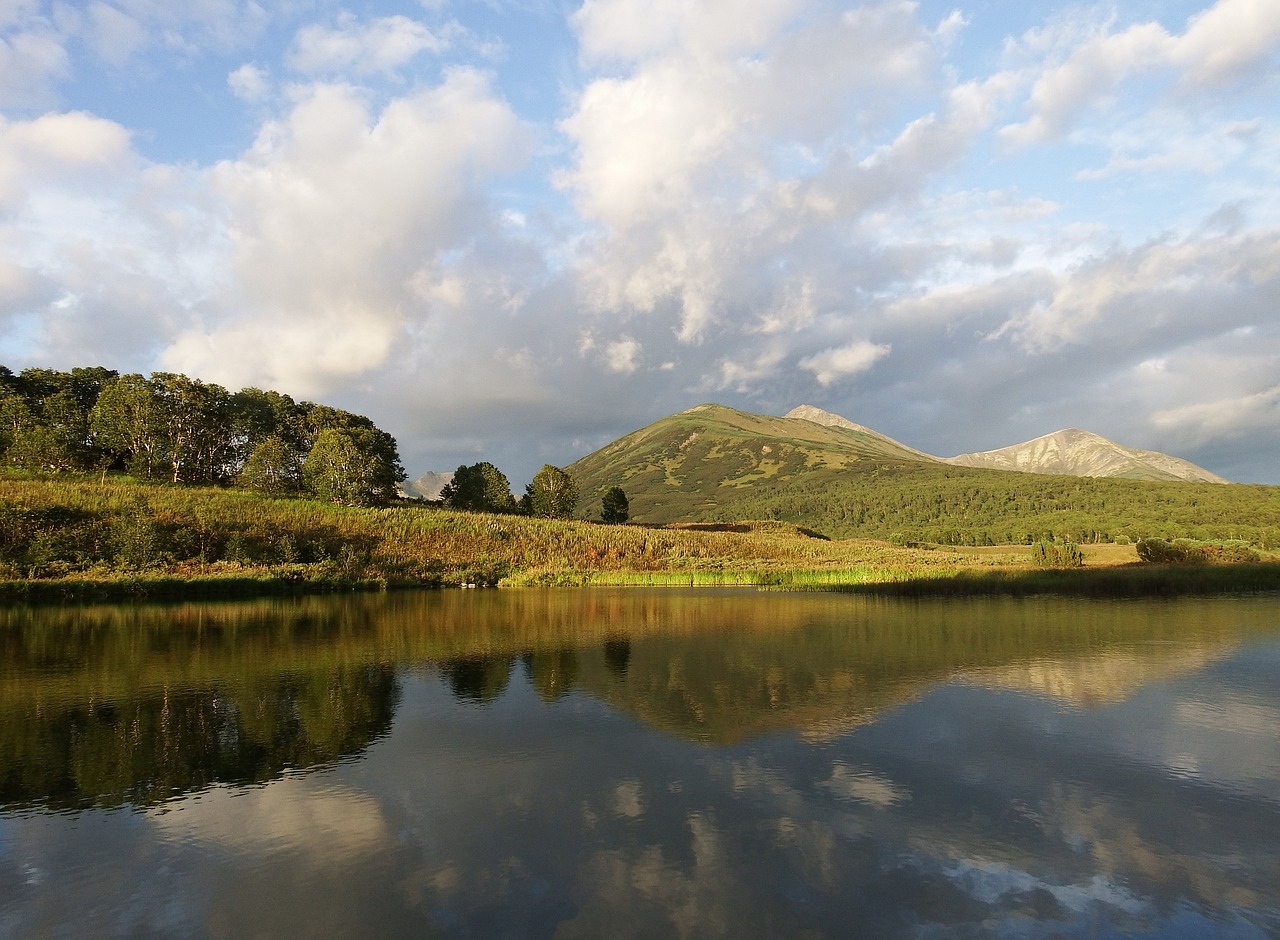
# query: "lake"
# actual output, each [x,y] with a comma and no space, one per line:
[637,763]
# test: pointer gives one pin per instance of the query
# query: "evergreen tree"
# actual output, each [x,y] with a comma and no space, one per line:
[614,506]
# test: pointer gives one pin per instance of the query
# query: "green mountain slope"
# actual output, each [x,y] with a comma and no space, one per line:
[684,466]
[715,464]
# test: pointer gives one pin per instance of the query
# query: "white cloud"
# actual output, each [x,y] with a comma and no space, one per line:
[833,365]
[56,148]
[1228,40]
[1224,416]
[688,160]
[747,376]
[1118,296]
[623,355]
[32,60]
[1219,45]
[381,46]
[115,35]
[335,214]
[250,83]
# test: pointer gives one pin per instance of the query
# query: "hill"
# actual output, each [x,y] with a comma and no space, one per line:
[1070,452]
[1082,453]
[716,464]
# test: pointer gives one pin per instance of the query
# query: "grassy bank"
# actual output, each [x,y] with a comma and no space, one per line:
[1121,581]
[71,537]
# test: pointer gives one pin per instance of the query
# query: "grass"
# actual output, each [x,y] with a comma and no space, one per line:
[73,537]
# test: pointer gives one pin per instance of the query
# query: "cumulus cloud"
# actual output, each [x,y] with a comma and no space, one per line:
[754,199]
[1234,415]
[833,365]
[1119,296]
[688,160]
[337,211]
[56,149]
[623,355]
[250,83]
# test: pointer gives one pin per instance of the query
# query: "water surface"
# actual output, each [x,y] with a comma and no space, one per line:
[641,763]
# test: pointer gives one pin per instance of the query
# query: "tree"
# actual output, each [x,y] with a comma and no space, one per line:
[615,509]
[196,421]
[344,469]
[481,487]
[552,494]
[272,468]
[127,420]
[44,416]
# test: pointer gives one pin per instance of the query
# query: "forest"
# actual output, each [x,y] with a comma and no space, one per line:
[169,427]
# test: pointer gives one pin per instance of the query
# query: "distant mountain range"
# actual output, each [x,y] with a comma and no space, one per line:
[830,475]
[826,473]
[1069,452]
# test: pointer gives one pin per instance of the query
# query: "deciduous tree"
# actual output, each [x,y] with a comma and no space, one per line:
[553,494]
[480,487]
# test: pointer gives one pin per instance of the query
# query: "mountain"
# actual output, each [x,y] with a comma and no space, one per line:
[1070,452]
[428,486]
[827,419]
[826,474]
[1084,454]
[692,460]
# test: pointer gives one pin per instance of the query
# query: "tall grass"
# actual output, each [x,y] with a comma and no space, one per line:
[91,537]
[120,534]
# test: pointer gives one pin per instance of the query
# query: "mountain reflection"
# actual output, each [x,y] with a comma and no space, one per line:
[136,704]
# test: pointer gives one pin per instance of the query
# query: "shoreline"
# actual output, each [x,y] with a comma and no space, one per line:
[1102,582]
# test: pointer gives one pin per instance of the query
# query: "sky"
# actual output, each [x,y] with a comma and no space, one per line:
[515,230]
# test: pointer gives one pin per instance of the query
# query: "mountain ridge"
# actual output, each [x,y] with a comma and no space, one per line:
[1067,452]
[717,465]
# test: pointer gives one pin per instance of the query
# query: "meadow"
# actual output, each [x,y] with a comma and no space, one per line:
[97,536]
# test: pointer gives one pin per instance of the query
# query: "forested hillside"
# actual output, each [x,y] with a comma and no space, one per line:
[174,428]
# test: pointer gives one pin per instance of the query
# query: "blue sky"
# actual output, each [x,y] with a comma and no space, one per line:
[513,231]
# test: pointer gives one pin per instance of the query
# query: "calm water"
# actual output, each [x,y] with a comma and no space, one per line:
[647,764]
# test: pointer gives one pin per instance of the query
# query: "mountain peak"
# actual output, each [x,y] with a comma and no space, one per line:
[1075,452]
[825,418]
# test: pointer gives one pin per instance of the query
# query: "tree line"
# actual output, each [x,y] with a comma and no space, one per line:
[168,426]
[552,494]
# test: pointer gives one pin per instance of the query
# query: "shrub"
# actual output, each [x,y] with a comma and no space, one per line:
[1193,552]
[1056,555]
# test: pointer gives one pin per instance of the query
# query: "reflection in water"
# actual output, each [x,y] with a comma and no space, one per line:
[478,679]
[149,747]
[552,672]
[658,764]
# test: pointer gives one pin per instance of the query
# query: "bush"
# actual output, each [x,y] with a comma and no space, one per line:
[1193,552]
[1056,555]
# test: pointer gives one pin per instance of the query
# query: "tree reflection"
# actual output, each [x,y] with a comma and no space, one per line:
[553,673]
[478,679]
[617,655]
[144,749]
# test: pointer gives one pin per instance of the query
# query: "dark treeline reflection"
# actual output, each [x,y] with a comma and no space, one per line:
[133,704]
[143,749]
